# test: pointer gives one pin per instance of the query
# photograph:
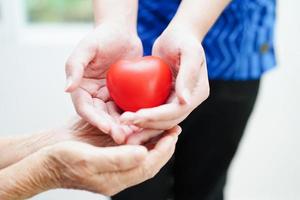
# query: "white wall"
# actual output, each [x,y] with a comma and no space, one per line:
[267,165]
[268,162]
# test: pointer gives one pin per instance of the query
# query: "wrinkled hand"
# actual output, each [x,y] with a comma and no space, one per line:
[86,76]
[78,165]
[184,52]
[112,169]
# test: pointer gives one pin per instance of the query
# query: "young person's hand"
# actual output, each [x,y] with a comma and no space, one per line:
[183,51]
[86,76]
[180,46]
[114,37]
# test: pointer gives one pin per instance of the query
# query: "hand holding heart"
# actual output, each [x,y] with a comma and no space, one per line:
[86,76]
[183,51]
[152,110]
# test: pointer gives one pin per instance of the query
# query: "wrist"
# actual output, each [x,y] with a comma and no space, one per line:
[119,25]
[178,28]
[199,15]
[179,24]
[121,13]
[18,148]
[28,177]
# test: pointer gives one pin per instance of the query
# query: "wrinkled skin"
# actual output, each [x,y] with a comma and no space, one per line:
[87,160]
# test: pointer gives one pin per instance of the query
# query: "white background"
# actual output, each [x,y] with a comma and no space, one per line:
[268,162]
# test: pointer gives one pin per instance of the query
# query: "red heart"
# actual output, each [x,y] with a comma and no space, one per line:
[141,83]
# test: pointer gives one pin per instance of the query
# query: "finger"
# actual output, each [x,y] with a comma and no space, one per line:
[127,130]
[155,160]
[103,94]
[188,75]
[135,129]
[116,131]
[119,131]
[142,137]
[118,134]
[162,146]
[119,158]
[84,105]
[77,62]
[114,111]
[166,112]
[161,125]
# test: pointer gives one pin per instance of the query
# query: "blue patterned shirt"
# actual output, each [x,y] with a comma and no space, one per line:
[238,47]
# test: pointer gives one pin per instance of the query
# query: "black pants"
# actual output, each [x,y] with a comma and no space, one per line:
[209,140]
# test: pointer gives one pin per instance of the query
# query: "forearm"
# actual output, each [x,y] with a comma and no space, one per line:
[123,12]
[28,177]
[15,149]
[199,15]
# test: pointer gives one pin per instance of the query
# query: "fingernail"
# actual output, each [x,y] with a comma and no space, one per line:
[68,83]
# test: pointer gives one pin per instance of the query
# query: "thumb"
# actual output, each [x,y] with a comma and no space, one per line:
[74,73]
[76,64]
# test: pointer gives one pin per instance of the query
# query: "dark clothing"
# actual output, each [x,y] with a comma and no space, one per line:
[209,140]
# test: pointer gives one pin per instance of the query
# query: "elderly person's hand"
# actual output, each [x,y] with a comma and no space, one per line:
[114,37]
[65,161]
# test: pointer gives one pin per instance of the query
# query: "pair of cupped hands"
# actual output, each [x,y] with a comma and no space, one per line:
[153,130]
[86,81]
